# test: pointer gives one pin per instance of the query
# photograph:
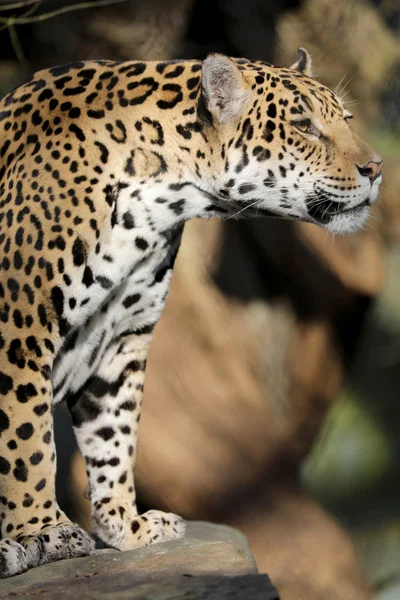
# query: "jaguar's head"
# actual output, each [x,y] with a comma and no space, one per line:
[286,145]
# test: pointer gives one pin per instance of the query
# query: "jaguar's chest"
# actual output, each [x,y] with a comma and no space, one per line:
[124,246]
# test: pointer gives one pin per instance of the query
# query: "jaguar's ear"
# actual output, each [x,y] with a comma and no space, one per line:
[303,63]
[224,89]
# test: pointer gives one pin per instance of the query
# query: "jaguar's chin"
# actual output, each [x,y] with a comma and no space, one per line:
[348,221]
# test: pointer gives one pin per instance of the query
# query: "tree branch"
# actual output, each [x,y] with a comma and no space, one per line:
[55,13]
[14,5]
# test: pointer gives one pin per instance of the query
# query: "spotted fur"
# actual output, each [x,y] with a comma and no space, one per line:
[101,163]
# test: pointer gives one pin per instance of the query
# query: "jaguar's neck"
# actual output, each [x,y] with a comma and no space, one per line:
[173,168]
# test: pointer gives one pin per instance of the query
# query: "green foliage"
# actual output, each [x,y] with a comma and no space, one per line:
[351,455]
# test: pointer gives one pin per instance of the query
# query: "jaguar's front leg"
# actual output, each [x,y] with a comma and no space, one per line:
[106,419]
[33,529]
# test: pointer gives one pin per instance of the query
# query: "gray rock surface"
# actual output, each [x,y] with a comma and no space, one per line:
[211,561]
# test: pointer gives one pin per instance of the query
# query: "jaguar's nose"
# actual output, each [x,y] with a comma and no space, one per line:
[371,170]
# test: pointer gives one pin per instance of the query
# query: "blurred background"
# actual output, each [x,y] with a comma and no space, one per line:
[272,396]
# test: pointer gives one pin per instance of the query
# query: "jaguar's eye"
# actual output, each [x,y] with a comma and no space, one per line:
[305,126]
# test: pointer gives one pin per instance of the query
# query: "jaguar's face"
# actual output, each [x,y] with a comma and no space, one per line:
[288,147]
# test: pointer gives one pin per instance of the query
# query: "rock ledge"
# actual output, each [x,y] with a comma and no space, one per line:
[211,562]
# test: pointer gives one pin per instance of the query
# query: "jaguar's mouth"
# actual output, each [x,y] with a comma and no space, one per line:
[323,209]
[352,209]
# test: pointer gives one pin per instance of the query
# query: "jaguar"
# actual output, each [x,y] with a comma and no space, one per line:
[101,164]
